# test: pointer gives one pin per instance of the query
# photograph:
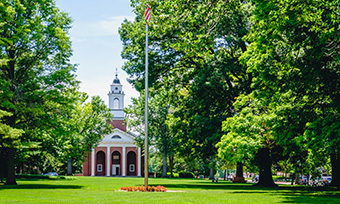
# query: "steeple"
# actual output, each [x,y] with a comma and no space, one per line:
[116,99]
[116,80]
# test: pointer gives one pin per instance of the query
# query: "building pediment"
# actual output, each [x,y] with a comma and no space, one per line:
[118,136]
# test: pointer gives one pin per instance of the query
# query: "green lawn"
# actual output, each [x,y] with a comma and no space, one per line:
[106,190]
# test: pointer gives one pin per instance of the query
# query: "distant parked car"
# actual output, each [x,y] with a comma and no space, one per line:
[326,180]
[255,179]
[51,174]
[303,180]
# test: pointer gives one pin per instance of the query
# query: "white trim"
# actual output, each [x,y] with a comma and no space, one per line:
[123,161]
[122,132]
[92,162]
[108,156]
[116,144]
[139,161]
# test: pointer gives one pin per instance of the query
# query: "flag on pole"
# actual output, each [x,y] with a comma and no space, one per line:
[147,12]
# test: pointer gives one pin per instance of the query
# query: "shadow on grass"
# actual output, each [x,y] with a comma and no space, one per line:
[39,186]
[206,185]
[289,194]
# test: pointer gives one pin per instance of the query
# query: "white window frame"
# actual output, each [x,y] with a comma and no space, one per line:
[99,168]
[116,103]
[132,168]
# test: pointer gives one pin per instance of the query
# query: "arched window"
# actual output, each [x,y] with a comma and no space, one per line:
[116,103]
[131,163]
[100,163]
[116,137]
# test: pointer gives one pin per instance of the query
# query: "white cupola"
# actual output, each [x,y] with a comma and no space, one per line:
[116,99]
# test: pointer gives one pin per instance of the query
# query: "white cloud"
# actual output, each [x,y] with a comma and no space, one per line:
[100,28]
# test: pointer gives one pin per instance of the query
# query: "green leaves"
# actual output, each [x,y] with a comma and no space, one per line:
[294,84]
[48,120]
[193,55]
[9,137]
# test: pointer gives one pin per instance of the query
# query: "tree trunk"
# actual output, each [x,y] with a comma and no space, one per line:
[171,164]
[11,167]
[69,167]
[211,173]
[239,169]
[3,164]
[293,177]
[265,177]
[297,178]
[225,174]
[164,173]
[335,162]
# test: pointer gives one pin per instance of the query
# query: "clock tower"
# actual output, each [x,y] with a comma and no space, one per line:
[116,99]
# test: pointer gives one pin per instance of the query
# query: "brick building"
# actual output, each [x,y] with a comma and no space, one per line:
[116,154]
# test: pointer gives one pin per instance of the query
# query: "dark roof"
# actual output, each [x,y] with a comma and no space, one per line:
[116,80]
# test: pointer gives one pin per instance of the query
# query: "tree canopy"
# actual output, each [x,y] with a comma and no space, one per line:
[262,73]
[194,50]
[45,112]
[293,57]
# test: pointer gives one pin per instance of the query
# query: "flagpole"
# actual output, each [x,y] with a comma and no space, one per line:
[146,162]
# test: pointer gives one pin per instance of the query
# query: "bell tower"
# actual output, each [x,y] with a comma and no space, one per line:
[116,99]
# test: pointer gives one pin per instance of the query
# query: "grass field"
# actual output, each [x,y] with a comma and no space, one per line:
[106,190]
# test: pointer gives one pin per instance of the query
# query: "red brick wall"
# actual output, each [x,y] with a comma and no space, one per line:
[87,165]
[120,124]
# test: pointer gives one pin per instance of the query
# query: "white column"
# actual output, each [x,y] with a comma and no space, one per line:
[92,163]
[139,162]
[108,165]
[124,162]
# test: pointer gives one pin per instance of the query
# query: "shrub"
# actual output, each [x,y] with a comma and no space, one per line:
[158,175]
[186,174]
[174,174]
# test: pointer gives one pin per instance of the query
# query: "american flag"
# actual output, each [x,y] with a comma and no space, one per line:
[147,13]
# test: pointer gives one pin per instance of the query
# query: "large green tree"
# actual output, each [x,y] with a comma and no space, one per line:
[295,51]
[73,134]
[159,125]
[36,49]
[194,50]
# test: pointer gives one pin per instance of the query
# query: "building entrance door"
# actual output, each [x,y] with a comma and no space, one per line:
[115,169]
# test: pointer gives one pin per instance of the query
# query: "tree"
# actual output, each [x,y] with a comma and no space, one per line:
[249,136]
[194,50]
[160,134]
[7,135]
[75,133]
[36,49]
[295,51]
[88,124]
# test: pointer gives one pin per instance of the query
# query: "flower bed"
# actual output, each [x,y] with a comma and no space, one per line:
[143,189]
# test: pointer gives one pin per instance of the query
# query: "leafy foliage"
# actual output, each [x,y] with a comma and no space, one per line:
[294,60]
[46,117]
[193,52]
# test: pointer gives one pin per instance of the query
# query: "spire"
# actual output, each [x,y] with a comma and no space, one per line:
[116,80]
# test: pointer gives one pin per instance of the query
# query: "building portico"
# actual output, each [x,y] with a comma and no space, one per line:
[113,158]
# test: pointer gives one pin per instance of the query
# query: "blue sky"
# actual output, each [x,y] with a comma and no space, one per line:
[96,44]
